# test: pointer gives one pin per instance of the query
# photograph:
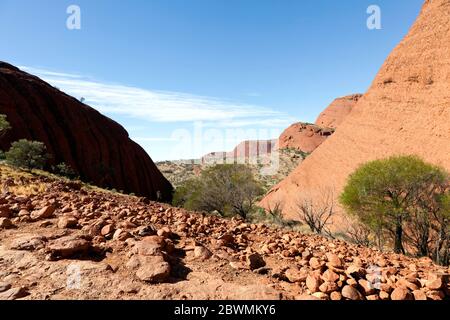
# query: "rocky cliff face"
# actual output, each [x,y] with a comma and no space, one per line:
[337,111]
[406,111]
[98,148]
[308,137]
[304,137]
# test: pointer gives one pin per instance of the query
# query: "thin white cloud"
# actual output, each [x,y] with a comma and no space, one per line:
[160,106]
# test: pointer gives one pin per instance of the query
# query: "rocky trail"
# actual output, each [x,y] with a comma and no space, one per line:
[63,240]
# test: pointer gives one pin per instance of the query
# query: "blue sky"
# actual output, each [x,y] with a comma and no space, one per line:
[186,77]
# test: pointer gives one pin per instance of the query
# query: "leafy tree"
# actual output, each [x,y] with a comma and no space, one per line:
[4,124]
[391,193]
[27,154]
[225,188]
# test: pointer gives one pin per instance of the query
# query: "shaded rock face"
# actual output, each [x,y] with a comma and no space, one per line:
[98,148]
[405,111]
[337,111]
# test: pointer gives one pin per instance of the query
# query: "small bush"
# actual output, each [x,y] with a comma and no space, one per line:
[229,189]
[27,154]
[65,170]
[4,124]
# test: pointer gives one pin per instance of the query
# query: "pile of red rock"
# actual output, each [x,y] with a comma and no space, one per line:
[151,243]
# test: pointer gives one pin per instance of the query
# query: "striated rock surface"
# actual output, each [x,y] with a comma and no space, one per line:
[405,111]
[98,148]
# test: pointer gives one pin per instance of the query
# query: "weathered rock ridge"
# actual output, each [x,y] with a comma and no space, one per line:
[98,148]
[405,111]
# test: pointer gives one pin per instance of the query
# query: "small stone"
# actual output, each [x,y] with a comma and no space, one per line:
[435,284]
[202,253]
[45,224]
[385,287]
[5,223]
[121,235]
[306,297]
[150,246]
[133,263]
[255,261]
[355,271]
[334,260]
[144,231]
[407,284]
[436,295]
[238,265]
[23,213]
[153,269]
[419,295]
[330,275]
[315,263]
[4,286]
[400,294]
[226,240]
[67,222]
[28,243]
[313,282]
[306,255]
[5,212]
[44,213]
[164,232]
[107,230]
[351,293]
[384,295]
[321,295]
[368,287]
[336,296]
[13,294]
[295,275]
[68,247]
[262,271]
[328,287]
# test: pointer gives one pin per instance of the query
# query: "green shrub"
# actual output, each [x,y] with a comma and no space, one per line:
[65,170]
[229,189]
[403,196]
[27,154]
[4,124]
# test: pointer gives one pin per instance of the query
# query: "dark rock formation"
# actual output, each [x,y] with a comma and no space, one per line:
[95,146]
